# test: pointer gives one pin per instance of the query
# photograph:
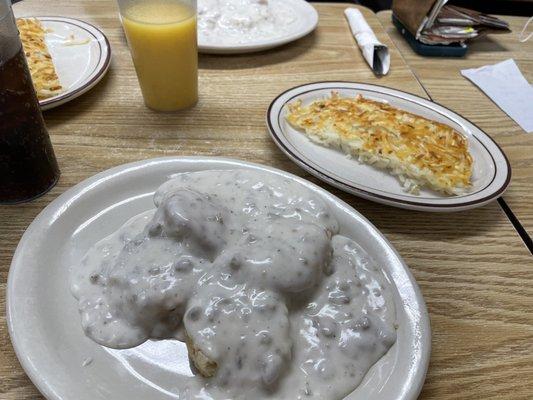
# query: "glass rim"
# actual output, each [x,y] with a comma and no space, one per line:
[192,5]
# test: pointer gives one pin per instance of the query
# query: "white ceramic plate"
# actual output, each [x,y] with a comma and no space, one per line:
[307,22]
[80,66]
[491,173]
[45,326]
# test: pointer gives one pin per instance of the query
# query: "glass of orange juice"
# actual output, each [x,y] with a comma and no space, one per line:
[161,35]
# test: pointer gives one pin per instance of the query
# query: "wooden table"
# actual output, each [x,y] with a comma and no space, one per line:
[444,83]
[472,267]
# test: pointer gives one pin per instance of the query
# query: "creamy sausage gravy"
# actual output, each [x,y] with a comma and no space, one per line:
[232,22]
[249,266]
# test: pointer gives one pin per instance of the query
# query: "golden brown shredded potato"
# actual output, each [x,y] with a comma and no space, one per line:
[43,73]
[421,152]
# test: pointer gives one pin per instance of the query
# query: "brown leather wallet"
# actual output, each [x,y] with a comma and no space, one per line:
[412,13]
[438,22]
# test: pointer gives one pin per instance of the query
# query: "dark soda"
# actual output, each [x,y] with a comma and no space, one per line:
[28,167]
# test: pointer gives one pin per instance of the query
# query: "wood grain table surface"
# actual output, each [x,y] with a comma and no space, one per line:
[474,271]
[442,79]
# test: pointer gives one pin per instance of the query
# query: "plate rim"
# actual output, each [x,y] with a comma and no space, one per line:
[265,44]
[62,98]
[301,156]
[422,319]
[383,199]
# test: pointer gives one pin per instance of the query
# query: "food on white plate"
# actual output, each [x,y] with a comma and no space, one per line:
[42,70]
[421,152]
[249,269]
[234,22]
[205,366]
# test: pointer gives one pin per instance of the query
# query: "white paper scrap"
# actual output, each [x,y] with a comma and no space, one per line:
[375,53]
[505,85]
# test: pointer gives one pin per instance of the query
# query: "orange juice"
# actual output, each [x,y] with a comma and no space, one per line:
[162,38]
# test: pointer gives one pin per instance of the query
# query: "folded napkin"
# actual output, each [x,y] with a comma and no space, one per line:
[375,53]
[505,85]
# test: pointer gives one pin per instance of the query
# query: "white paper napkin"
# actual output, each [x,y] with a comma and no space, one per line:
[505,85]
[375,53]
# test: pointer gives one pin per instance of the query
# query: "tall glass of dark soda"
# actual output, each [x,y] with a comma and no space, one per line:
[28,167]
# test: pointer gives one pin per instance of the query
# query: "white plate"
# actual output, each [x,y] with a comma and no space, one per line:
[307,22]
[79,67]
[491,170]
[45,326]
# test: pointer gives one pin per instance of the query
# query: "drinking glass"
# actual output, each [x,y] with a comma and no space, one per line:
[28,167]
[161,35]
